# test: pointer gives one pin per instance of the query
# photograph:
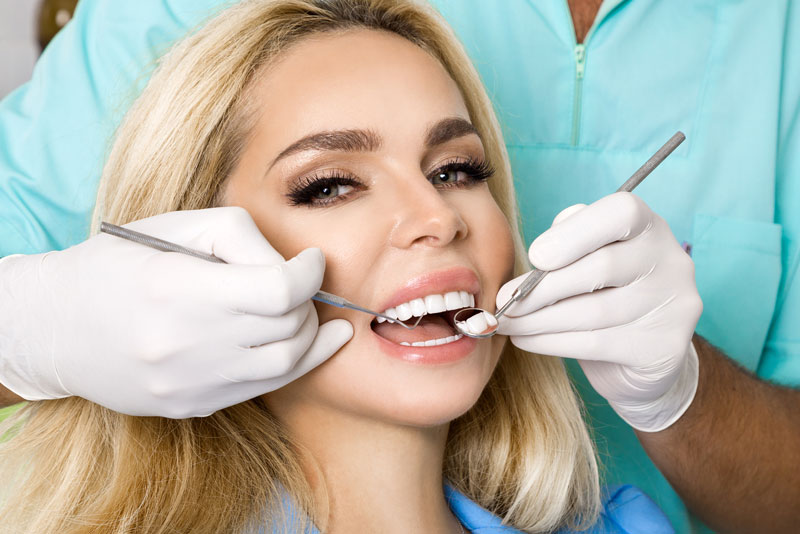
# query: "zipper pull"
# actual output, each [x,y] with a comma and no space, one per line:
[580,60]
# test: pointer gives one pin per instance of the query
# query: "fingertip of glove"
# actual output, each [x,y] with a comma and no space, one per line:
[566,213]
[340,330]
[308,265]
[548,251]
[312,255]
[544,252]
[312,259]
[503,295]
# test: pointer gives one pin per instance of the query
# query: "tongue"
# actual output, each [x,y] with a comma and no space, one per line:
[431,327]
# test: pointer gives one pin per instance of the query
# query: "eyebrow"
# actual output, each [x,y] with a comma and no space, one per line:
[337,140]
[448,129]
[369,141]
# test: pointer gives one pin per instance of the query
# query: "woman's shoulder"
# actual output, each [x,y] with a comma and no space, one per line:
[626,510]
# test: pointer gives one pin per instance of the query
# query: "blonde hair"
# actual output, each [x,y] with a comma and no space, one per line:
[70,466]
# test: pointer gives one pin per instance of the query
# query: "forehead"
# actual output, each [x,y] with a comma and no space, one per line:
[355,79]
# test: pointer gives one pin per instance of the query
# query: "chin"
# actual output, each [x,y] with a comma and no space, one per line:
[435,414]
[397,391]
[367,384]
[429,405]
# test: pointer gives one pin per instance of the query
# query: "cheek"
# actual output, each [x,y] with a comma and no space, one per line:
[493,245]
[497,262]
[496,238]
[344,240]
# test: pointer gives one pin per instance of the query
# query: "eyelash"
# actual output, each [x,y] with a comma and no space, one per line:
[303,193]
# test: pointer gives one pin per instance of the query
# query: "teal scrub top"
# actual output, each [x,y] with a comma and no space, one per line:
[626,510]
[578,120]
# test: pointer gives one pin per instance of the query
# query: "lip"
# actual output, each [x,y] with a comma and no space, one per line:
[439,282]
[436,282]
[439,354]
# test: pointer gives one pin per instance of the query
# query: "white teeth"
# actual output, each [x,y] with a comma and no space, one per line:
[433,342]
[403,311]
[453,300]
[479,323]
[430,304]
[435,303]
[417,307]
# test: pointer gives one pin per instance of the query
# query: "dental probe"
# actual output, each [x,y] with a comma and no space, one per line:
[167,246]
[536,275]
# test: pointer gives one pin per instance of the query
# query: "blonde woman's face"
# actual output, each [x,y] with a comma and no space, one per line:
[364,148]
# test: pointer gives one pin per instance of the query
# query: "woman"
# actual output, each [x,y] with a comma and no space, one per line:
[359,127]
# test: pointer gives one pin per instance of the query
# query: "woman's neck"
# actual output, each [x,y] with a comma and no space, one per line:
[373,476]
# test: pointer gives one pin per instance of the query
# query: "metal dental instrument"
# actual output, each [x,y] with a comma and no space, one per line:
[167,246]
[470,319]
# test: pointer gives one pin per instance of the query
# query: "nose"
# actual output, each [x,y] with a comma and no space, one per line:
[423,216]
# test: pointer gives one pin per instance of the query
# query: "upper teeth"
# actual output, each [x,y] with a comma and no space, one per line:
[436,303]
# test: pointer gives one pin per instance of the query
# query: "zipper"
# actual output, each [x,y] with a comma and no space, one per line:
[579,52]
[580,67]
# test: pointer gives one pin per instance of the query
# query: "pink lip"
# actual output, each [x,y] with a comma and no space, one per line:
[438,282]
[439,354]
[453,279]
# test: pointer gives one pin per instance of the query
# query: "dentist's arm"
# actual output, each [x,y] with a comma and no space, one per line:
[8,397]
[734,456]
[621,298]
[145,332]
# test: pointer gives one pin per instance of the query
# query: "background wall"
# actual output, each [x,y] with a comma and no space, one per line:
[18,46]
[18,53]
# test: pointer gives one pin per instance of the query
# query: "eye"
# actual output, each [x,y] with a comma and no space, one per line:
[327,192]
[449,177]
[323,190]
[461,173]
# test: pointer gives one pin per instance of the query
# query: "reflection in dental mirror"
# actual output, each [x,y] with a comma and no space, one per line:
[475,322]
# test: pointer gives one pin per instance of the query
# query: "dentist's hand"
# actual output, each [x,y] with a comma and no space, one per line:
[145,332]
[621,298]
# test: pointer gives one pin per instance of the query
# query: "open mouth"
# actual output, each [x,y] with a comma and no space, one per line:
[437,326]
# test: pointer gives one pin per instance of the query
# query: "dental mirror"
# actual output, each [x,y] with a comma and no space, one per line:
[475,322]
[481,324]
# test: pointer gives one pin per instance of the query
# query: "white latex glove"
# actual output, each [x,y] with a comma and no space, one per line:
[145,332]
[621,298]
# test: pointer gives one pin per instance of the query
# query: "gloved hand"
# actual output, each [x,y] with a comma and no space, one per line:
[621,298]
[145,332]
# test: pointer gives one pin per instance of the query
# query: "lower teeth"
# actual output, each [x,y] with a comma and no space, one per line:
[433,342]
